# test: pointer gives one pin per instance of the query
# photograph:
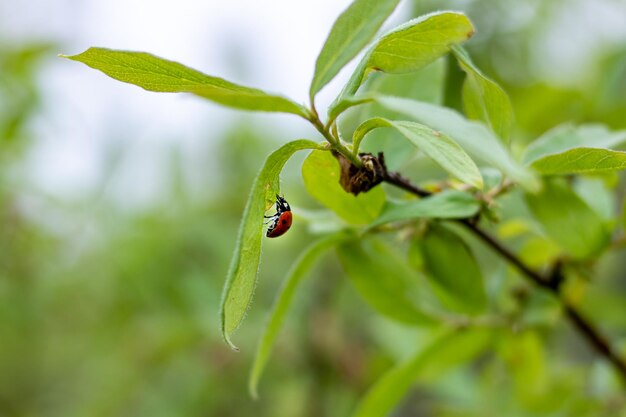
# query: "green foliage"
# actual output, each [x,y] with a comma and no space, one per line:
[581,161]
[244,265]
[571,223]
[410,47]
[465,182]
[383,279]
[483,99]
[449,204]
[157,74]
[351,32]
[320,172]
[474,137]
[440,148]
[419,42]
[526,360]
[444,351]
[568,137]
[453,270]
[284,299]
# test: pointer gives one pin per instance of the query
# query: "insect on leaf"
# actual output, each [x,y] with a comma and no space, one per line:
[242,274]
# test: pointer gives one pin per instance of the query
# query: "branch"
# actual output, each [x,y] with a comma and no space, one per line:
[552,283]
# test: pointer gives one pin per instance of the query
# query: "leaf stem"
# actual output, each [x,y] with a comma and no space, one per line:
[551,283]
[333,138]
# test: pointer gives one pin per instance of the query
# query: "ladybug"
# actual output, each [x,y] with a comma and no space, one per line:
[281,221]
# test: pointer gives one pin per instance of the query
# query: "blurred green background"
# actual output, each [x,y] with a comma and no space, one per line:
[110,307]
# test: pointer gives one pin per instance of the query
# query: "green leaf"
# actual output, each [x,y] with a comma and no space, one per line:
[383,279]
[483,99]
[242,274]
[453,270]
[320,172]
[478,141]
[419,42]
[581,161]
[525,357]
[446,350]
[157,74]
[449,204]
[598,195]
[437,146]
[426,84]
[568,220]
[284,299]
[566,137]
[344,103]
[354,28]
[410,47]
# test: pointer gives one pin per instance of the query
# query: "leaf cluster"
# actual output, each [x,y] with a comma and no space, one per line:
[439,283]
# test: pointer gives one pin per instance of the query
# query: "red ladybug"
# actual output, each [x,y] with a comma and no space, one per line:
[281,221]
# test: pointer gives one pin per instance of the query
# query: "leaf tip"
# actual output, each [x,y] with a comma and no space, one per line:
[230,343]
[253,390]
[226,336]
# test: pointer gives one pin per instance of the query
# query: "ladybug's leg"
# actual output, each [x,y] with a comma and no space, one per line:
[271,219]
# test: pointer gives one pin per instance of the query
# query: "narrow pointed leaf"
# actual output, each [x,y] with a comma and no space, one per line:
[157,74]
[453,270]
[352,31]
[446,350]
[410,47]
[242,274]
[436,145]
[571,223]
[443,150]
[320,172]
[449,204]
[478,141]
[285,298]
[483,99]
[383,279]
[566,137]
[581,161]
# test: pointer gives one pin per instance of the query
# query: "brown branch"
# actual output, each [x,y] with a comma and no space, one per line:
[551,283]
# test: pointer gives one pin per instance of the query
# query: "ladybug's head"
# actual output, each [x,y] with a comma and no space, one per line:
[281,204]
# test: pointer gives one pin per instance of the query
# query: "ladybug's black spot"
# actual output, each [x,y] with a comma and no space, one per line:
[284,221]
